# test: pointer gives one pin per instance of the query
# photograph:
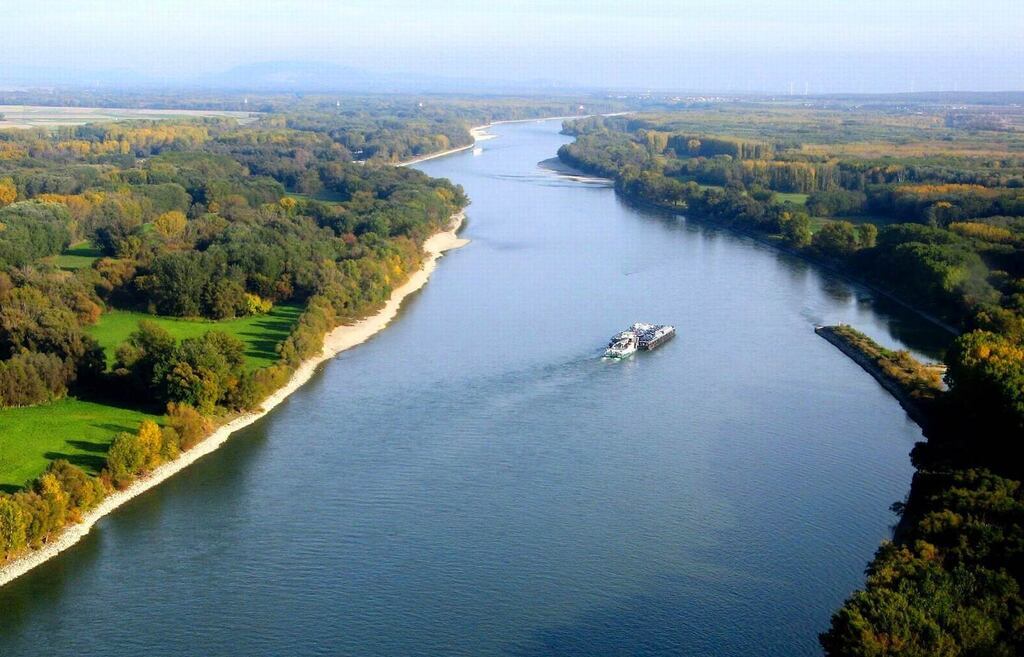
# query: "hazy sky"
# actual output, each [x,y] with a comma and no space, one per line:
[827,45]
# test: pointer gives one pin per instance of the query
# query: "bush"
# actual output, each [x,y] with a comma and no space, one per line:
[59,496]
[188,423]
[131,455]
[836,238]
[30,378]
[836,202]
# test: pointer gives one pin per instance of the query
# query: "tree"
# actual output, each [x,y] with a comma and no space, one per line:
[84,492]
[13,526]
[31,320]
[867,235]
[146,352]
[189,424]
[171,225]
[203,371]
[796,228]
[133,454]
[224,299]
[8,192]
[836,238]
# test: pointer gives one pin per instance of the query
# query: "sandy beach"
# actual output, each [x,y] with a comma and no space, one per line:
[338,340]
[479,133]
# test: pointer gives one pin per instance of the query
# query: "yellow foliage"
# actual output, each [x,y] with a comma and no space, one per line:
[124,139]
[78,205]
[8,192]
[12,151]
[150,443]
[171,225]
[982,231]
[948,189]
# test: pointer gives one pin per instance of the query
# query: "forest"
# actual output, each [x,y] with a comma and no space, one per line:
[926,205]
[220,253]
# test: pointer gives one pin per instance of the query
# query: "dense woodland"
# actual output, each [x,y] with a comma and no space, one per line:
[928,206]
[196,218]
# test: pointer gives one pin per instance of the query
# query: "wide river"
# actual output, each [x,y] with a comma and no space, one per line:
[475,480]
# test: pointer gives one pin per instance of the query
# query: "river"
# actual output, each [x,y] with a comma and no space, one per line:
[475,480]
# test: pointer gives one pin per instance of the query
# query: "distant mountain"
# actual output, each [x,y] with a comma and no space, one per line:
[326,77]
[293,76]
[280,76]
[50,76]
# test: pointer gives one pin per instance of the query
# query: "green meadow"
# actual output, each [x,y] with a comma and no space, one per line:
[261,333]
[76,430]
[81,431]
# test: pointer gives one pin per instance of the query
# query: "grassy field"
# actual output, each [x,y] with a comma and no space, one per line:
[260,333]
[77,256]
[790,197]
[32,116]
[79,431]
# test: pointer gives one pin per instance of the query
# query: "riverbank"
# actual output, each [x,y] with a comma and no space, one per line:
[479,133]
[803,254]
[916,386]
[338,340]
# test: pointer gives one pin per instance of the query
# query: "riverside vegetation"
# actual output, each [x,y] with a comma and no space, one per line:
[157,277]
[923,199]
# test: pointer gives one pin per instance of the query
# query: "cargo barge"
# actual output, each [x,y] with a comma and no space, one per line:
[643,337]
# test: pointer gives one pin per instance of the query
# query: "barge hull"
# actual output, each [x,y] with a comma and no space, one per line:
[657,342]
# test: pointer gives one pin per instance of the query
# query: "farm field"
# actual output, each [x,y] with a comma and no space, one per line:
[39,116]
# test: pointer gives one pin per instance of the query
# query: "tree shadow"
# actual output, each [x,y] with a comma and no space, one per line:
[87,446]
[259,346]
[111,427]
[89,462]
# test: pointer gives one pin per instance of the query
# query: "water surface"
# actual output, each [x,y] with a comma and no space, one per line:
[475,480]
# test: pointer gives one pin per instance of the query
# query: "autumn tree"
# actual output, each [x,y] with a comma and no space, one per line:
[171,225]
[8,192]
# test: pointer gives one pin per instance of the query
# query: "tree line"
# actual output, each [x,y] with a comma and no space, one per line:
[950,582]
[185,226]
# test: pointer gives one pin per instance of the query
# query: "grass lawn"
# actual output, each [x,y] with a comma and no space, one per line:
[77,256]
[818,222]
[79,431]
[261,333]
[791,197]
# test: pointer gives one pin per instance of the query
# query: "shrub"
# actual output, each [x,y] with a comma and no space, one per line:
[189,424]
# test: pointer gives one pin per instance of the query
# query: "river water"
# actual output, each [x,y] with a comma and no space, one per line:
[475,480]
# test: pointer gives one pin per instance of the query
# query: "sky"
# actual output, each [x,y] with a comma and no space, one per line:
[725,45]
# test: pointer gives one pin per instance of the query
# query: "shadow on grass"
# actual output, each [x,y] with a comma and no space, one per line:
[95,456]
[10,488]
[86,446]
[101,392]
[91,463]
[112,428]
[264,346]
